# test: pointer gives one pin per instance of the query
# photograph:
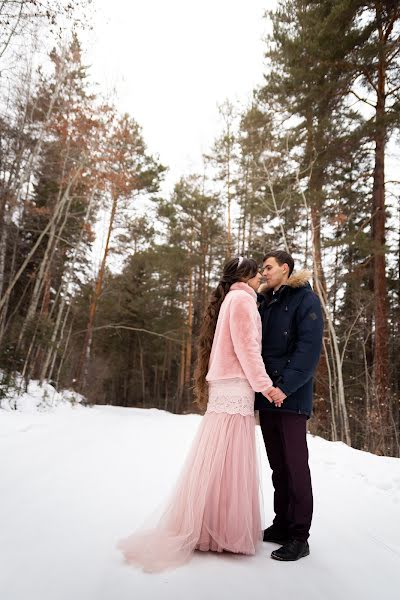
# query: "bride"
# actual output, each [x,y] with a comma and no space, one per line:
[215,505]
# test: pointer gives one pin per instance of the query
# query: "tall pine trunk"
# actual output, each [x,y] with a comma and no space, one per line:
[381,356]
[381,409]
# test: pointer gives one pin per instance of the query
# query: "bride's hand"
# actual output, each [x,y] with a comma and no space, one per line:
[267,392]
[277,396]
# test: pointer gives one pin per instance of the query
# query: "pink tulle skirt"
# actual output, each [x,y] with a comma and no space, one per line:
[215,505]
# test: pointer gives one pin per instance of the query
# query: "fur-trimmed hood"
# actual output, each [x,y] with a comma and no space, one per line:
[297,279]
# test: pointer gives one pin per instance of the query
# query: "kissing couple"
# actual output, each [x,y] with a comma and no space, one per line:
[258,349]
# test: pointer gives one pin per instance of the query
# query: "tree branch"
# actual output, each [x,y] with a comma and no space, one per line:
[389,29]
[369,78]
[140,329]
[362,99]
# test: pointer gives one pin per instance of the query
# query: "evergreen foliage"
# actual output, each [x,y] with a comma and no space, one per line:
[301,168]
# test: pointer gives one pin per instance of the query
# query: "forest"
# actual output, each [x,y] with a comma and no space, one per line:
[310,166]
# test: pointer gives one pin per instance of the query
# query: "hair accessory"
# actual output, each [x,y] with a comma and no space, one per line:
[240,261]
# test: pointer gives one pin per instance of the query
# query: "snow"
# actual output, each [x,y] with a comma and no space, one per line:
[36,396]
[74,479]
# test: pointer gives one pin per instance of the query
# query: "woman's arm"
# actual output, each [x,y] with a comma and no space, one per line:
[244,334]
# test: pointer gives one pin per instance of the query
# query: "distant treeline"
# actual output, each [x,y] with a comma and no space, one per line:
[302,168]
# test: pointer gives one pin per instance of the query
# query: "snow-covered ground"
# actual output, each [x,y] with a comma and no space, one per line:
[73,480]
[36,396]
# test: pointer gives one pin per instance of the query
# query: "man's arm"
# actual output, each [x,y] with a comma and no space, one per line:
[304,359]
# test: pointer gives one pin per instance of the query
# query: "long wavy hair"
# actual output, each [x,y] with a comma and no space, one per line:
[232,273]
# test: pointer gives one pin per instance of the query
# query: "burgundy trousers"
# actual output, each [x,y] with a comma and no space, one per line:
[285,440]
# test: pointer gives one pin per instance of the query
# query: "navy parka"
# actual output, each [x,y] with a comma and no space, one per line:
[292,329]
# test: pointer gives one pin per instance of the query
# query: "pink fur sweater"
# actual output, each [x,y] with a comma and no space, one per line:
[236,348]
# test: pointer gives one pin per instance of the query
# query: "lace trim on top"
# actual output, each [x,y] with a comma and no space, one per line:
[232,396]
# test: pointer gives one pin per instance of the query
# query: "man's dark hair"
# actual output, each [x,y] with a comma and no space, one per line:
[281,258]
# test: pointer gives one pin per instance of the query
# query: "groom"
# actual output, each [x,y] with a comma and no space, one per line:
[292,328]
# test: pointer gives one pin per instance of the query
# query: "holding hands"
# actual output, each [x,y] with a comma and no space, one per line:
[275,395]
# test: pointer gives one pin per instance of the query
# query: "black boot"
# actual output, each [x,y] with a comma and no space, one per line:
[293,550]
[275,535]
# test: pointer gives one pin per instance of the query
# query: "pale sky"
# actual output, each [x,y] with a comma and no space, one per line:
[171,62]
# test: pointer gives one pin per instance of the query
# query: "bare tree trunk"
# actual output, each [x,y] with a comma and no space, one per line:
[397,312]
[229,204]
[315,191]
[367,434]
[188,360]
[181,375]
[316,247]
[243,211]
[50,224]
[164,373]
[275,208]
[64,288]
[3,313]
[60,366]
[334,435]
[56,349]
[142,372]
[87,343]
[61,208]
[52,346]
[16,184]
[189,341]
[250,230]
[227,112]
[333,340]
[3,249]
